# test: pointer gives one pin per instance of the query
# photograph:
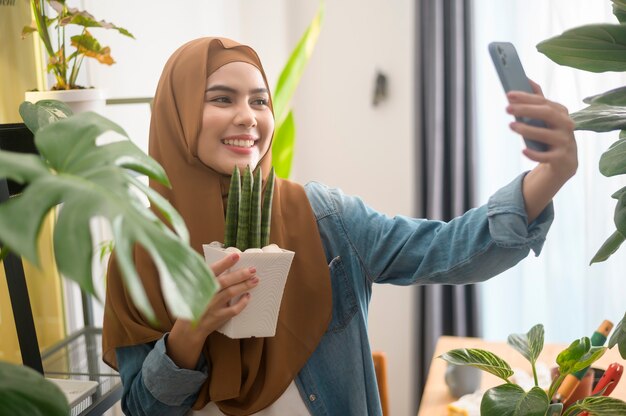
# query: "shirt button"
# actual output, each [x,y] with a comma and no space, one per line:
[312,397]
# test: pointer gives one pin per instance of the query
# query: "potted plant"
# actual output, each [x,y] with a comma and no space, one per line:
[74,43]
[511,399]
[248,221]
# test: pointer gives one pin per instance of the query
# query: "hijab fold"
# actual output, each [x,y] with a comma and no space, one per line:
[245,375]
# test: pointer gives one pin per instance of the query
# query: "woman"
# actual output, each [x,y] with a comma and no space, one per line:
[213,110]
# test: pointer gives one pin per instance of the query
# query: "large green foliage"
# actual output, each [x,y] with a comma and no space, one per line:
[92,180]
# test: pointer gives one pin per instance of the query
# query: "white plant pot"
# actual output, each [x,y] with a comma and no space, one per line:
[81,100]
[259,317]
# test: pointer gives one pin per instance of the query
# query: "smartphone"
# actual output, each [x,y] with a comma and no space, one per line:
[513,77]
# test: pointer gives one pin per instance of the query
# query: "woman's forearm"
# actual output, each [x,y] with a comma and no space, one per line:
[539,187]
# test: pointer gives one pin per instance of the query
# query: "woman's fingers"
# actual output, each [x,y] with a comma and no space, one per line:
[553,115]
[536,87]
[224,264]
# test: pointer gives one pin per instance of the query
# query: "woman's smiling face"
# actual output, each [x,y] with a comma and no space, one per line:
[237,121]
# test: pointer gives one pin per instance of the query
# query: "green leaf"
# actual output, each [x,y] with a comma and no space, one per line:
[620,214]
[25,392]
[619,10]
[554,409]
[600,118]
[512,400]
[87,45]
[613,161]
[43,113]
[92,180]
[594,48]
[609,247]
[485,360]
[616,96]
[283,146]
[580,354]
[530,344]
[82,18]
[293,70]
[619,337]
[599,406]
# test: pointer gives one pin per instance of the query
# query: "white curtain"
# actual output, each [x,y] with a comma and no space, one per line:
[559,289]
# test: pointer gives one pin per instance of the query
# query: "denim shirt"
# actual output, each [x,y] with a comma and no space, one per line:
[362,247]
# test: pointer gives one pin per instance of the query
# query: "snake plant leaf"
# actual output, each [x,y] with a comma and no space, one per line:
[599,406]
[619,10]
[43,113]
[600,118]
[512,400]
[616,96]
[484,360]
[580,354]
[613,161]
[25,392]
[554,409]
[594,48]
[100,181]
[609,247]
[619,337]
[530,344]
[283,147]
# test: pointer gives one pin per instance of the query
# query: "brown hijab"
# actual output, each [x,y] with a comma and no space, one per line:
[245,375]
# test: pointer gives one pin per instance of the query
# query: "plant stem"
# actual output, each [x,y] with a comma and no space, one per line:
[571,410]
[555,385]
[535,374]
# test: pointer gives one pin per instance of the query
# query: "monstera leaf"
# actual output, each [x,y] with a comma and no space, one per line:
[24,392]
[92,180]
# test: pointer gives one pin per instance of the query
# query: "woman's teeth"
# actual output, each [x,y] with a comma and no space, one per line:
[239,143]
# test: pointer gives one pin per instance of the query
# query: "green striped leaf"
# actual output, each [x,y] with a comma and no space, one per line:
[485,360]
[616,96]
[530,344]
[512,400]
[594,48]
[266,211]
[255,210]
[600,118]
[599,406]
[554,409]
[244,211]
[232,209]
[578,355]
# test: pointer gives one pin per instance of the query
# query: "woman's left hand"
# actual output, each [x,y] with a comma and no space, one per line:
[559,162]
[562,155]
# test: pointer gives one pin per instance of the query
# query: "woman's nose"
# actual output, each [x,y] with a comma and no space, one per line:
[245,116]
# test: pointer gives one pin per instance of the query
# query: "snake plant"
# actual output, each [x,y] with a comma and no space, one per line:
[249,210]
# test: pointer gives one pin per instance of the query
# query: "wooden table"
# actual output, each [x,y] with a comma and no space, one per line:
[436,395]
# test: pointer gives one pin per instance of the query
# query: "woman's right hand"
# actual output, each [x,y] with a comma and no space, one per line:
[186,339]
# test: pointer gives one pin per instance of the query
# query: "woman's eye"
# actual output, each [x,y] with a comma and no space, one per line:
[222,100]
[260,101]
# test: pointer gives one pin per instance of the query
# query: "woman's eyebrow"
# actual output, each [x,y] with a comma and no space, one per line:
[232,90]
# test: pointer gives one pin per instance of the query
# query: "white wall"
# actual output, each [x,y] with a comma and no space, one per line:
[343,141]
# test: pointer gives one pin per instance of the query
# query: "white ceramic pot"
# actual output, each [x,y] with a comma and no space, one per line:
[259,317]
[81,100]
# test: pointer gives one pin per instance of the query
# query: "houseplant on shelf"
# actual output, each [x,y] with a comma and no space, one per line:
[511,399]
[93,180]
[65,61]
[247,230]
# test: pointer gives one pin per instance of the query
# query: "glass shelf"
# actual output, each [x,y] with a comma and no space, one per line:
[79,357]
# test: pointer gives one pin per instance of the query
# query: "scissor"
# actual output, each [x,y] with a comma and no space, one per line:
[607,382]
